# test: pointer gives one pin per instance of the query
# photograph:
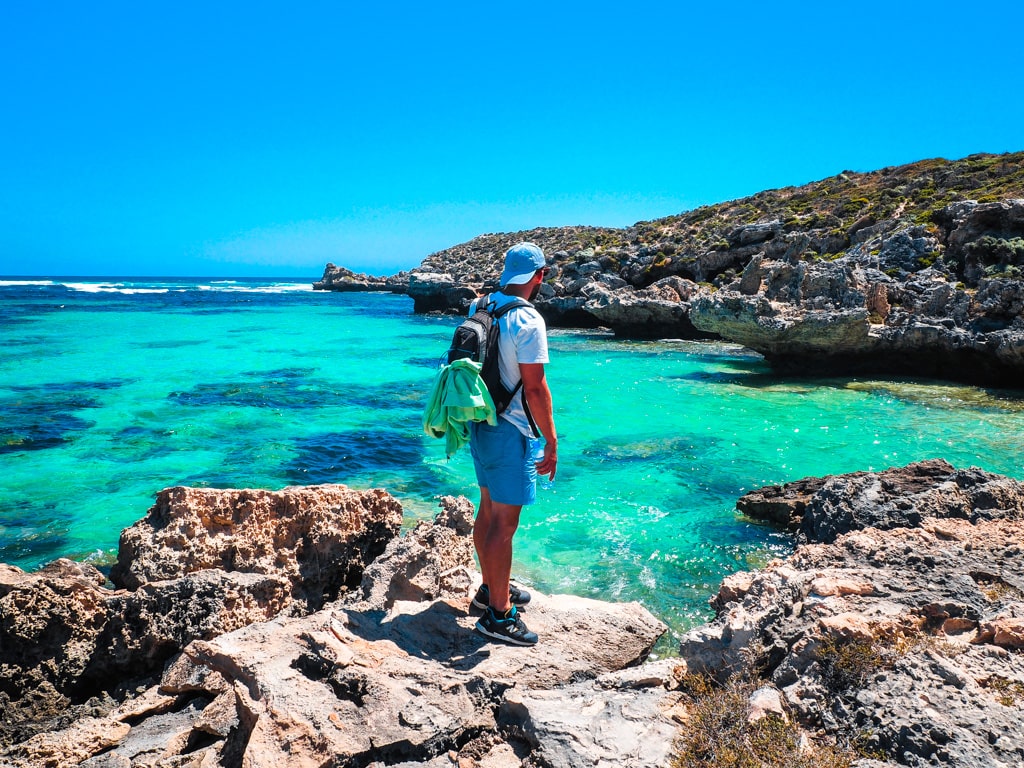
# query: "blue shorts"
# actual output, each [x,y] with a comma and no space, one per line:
[505,461]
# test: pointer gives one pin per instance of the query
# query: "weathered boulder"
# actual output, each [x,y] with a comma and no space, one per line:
[337,278]
[901,632]
[821,509]
[202,563]
[65,638]
[430,562]
[659,311]
[319,538]
[354,686]
[440,292]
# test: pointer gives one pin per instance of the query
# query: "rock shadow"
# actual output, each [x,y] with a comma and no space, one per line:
[434,633]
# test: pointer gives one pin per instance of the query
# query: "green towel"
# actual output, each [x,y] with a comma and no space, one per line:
[458,397]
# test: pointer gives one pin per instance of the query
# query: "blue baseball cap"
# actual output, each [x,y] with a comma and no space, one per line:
[521,263]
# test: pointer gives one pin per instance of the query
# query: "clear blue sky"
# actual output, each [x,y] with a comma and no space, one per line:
[269,138]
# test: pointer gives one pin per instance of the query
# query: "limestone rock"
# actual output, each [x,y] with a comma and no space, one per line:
[409,684]
[440,292]
[608,721]
[823,508]
[337,278]
[433,560]
[319,538]
[67,642]
[903,625]
[659,311]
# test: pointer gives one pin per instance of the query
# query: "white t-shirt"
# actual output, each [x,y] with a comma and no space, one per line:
[523,339]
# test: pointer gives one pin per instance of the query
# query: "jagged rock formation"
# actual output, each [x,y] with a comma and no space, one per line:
[913,269]
[203,562]
[876,309]
[391,671]
[337,278]
[903,633]
[318,538]
[896,628]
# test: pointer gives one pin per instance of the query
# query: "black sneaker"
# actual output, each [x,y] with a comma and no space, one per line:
[517,596]
[508,628]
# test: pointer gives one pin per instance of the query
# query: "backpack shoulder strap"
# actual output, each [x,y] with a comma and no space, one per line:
[510,306]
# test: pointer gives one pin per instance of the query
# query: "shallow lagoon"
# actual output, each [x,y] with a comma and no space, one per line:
[111,391]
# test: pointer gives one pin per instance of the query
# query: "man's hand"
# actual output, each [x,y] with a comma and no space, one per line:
[538,397]
[547,465]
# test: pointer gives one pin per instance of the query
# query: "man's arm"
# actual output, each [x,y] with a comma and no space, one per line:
[538,397]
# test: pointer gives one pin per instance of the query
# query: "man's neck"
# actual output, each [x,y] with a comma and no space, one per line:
[520,290]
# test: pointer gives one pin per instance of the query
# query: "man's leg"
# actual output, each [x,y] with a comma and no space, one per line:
[495,526]
[480,526]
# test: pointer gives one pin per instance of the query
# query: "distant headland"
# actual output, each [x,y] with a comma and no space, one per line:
[909,270]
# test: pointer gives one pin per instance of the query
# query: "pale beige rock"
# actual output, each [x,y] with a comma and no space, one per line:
[61,629]
[344,682]
[1008,632]
[958,626]
[828,585]
[764,702]
[433,560]
[84,738]
[847,626]
[734,587]
[319,538]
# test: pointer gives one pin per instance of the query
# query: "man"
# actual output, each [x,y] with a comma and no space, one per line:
[507,457]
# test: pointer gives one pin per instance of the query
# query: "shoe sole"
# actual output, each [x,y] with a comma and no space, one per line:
[504,638]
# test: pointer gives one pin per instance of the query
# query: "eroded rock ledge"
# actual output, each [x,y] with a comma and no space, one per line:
[914,270]
[904,630]
[291,628]
[896,627]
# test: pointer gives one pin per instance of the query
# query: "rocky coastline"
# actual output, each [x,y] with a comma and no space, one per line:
[303,628]
[911,270]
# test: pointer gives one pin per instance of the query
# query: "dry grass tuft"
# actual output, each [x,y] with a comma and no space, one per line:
[717,733]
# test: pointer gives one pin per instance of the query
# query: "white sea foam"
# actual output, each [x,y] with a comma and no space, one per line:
[165,286]
[110,288]
[231,287]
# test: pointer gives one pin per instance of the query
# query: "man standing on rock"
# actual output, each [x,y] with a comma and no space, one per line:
[509,456]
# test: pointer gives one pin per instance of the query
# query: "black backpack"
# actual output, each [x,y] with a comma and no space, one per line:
[477,339]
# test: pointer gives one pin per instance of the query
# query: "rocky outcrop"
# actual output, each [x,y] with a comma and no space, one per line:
[902,633]
[391,672]
[318,538]
[337,278]
[915,269]
[821,509]
[896,629]
[875,309]
[202,563]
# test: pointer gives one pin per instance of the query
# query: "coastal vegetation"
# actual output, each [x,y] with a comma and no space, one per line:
[718,731]
[827,214]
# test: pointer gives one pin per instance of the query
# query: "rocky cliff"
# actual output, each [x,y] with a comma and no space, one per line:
[215,646]
[893,636]
[912,269]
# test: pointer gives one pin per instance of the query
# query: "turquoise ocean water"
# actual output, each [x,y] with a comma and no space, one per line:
[111,390]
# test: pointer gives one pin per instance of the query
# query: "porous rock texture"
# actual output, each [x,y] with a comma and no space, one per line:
[201,563]
[897,627]
[390,673]
[902,633]
[915,269]
[318,538]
